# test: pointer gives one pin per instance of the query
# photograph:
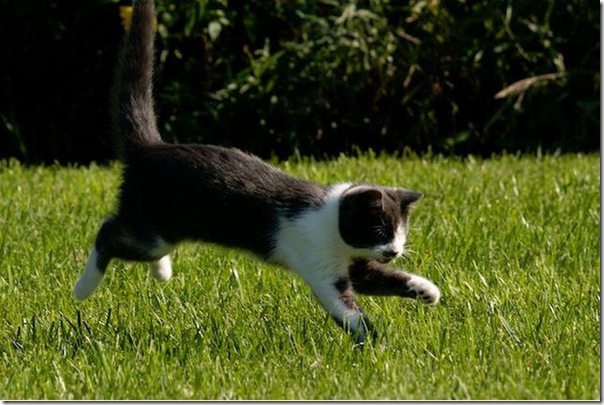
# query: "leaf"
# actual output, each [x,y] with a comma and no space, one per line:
[214,29]
[523,85]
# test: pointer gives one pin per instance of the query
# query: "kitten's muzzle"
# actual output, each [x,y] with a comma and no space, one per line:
[388,255]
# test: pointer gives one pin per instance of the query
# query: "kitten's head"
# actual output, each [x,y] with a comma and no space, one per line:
[374,220]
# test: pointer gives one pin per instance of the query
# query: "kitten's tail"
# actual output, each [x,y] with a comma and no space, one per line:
[133,118]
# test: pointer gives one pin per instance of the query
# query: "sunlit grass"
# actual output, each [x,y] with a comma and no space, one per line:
[513,243]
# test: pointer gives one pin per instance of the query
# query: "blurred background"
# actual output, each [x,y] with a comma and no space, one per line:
[319,78]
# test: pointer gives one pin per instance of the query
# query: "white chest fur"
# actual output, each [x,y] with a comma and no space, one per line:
[311,245]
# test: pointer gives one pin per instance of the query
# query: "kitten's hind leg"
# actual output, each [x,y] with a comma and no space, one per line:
[118,240]
[161,269]
[98,260]
[92,276]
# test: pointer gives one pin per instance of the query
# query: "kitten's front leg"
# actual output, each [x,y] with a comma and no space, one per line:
[336,295]
[373,278]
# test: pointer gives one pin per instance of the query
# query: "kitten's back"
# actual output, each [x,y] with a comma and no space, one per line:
[213,194]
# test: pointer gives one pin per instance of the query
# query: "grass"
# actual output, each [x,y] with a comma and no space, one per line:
[513,243]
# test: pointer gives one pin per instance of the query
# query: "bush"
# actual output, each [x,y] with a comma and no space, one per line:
[331,76]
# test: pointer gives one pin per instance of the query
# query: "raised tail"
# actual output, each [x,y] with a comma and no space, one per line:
[133,118]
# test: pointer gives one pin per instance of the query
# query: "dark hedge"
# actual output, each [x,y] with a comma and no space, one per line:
[311,77]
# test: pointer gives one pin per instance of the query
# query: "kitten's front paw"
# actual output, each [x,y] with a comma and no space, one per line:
[426,291]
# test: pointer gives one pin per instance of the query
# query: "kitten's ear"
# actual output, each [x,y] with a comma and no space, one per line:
[373,197]
[408,197]
[370,197]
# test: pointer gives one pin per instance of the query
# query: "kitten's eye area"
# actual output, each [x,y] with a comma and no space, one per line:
[382,230]
[379,230]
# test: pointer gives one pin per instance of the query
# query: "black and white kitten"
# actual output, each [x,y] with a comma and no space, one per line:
[336,239]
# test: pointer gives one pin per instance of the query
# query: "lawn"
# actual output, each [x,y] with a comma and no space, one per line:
[512,242]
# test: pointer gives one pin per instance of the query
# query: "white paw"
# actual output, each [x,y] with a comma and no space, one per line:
[90,279]
[426,291]
[162,269]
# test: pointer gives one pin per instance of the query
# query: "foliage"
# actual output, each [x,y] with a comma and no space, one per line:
[512,242]
[317,78]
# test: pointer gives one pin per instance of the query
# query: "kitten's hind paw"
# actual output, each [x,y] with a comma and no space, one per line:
[90,279]
[162,269]
[426,291]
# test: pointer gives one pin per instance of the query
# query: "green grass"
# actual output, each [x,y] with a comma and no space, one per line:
[513,243]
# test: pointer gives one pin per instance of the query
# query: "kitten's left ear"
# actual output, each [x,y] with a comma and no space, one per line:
[408,197]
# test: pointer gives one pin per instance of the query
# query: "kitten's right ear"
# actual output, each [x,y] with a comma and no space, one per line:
[408,197]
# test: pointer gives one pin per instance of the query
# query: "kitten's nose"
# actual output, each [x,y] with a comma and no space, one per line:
[389,254]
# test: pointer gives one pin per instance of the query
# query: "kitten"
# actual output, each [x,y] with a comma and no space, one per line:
[337,239]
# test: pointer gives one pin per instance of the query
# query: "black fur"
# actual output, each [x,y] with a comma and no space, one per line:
[211,194]
[373,278]
[132,113]
[369,215]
